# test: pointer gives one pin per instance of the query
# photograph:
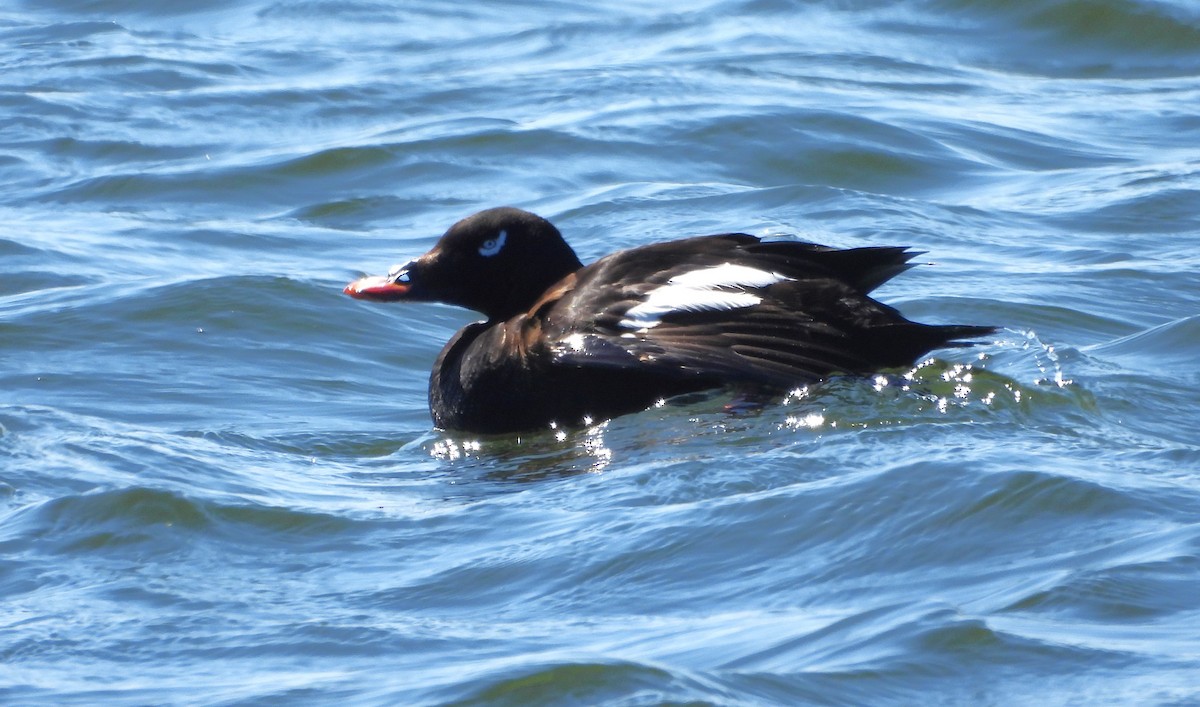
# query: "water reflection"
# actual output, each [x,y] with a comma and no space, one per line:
[555,452]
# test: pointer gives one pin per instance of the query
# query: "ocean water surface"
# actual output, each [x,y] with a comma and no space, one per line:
[219,483]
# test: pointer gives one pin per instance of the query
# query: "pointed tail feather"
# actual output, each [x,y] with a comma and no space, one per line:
[902,344]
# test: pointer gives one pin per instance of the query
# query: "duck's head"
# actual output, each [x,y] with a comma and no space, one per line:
[497,262]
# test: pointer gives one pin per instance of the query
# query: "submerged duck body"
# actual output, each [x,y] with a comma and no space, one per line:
[568,344]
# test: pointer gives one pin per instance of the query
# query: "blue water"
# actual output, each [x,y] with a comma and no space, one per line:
[219,480]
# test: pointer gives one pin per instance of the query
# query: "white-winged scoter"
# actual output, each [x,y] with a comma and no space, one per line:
[567,344]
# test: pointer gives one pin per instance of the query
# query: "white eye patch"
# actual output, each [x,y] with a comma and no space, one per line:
[398,273]
[705,290]
[493,245]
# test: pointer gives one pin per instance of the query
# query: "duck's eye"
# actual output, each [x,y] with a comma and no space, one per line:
[398,273]
[493,245]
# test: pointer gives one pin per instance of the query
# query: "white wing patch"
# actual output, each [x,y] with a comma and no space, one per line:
[722,287]
[493,245]
[726,275]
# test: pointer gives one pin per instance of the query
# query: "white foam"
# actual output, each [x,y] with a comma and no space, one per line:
[575,342]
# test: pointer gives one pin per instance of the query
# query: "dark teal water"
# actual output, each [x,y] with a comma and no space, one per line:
[219,481]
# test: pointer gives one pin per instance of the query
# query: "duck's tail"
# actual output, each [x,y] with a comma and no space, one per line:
[903,344]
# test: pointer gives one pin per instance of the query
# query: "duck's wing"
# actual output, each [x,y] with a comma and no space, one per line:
[735,309]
